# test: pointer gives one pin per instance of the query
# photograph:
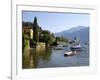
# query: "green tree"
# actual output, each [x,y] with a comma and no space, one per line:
[46,36]
[35,30]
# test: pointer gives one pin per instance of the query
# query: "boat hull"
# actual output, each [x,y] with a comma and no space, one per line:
[68,54]
[71,53]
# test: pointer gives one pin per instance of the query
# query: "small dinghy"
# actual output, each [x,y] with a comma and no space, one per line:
[70,53]
[59,47]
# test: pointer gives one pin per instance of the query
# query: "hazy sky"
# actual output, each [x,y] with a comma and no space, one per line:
[56,22]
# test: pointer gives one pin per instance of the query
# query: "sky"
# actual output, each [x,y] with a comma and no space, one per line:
[56,22]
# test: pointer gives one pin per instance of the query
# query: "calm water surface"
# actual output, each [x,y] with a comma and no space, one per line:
[46,58]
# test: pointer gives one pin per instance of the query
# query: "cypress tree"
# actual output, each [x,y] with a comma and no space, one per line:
[35,30]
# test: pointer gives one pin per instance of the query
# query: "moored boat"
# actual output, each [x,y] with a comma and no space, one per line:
[70,53]
[75,45]
[59,47]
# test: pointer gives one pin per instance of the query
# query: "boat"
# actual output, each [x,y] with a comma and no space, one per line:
[76,44]
[70,53]
[76,47]
[59,47]
[65,45]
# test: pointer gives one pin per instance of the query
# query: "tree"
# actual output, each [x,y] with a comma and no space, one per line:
[35,30]
[46,36]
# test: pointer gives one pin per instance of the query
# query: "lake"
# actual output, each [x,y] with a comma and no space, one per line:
[48,58]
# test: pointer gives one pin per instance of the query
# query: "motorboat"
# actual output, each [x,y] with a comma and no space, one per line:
[59,47]
[70,53]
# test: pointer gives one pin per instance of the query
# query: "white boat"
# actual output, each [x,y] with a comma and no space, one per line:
[59,47]
[70,53]
[75,45]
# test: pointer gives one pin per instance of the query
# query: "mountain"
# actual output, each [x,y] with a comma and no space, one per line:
[81,32]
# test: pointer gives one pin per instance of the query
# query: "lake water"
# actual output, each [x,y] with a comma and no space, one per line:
[47,58]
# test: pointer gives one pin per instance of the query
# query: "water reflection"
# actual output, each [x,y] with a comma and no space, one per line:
[49,57]
[32,57]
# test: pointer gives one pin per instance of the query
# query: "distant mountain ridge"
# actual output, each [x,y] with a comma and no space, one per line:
[81,32]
